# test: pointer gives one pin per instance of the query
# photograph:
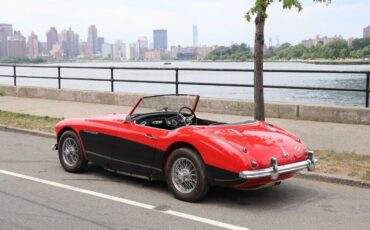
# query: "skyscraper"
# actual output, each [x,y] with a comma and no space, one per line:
[70,43]
[17,45]
[142,45]
[107,50]
[43,49]
[160,39]
[51,38]
[6,30]
[92,39]
[195,36]
[100,43]
[33,45]
[76,44]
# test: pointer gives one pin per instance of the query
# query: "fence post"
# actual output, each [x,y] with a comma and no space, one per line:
[177,80]
[59,78]
[111,80]
[15,75]
[367,90]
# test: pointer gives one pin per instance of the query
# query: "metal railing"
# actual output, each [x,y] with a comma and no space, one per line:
[176,81]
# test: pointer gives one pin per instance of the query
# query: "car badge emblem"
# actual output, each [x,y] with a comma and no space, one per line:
[285,153]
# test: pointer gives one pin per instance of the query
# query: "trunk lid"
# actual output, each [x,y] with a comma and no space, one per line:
[260,142]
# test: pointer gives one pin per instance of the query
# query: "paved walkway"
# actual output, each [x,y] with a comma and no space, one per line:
[317,135]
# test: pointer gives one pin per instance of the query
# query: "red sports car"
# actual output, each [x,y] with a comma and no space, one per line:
[163,139]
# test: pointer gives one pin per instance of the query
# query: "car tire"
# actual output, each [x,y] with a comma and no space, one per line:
[70,153]
[186,175]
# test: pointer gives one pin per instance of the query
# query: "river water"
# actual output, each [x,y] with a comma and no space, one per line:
[357,81]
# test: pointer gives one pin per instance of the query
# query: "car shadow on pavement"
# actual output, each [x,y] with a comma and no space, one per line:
[287,195]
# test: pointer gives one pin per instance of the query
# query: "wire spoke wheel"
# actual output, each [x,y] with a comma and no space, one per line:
[70,152]
[184,175]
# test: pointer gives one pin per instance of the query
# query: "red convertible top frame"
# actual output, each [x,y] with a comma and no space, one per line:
[162,95]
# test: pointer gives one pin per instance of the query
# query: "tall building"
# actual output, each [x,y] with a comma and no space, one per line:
[76,45]
[160,39]
[17,45]
[43,49]
[6,30]
[131,52]
[73,43]
[119,50]
[107,50]
[33,45]
[70,43]
[51,38]
[142,46]
[367,32]
[195,36]
[92,39]
[100,44]
[85,49]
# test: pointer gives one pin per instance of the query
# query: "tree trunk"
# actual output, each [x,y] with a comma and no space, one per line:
[259,104]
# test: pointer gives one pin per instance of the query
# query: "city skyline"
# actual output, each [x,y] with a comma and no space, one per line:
[127,20]
[68,45]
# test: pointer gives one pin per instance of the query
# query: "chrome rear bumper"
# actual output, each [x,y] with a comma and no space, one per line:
[274,170]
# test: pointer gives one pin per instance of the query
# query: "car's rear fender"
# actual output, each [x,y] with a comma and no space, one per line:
[213,152]
[173,147]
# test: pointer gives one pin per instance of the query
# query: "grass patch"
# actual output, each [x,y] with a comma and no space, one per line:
[26,121]
[345,164]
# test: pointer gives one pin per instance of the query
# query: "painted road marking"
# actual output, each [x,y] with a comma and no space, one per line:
[126,201]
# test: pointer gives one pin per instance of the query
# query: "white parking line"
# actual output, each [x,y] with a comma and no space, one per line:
[126,201]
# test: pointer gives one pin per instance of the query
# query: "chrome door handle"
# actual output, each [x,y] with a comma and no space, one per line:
[150,136]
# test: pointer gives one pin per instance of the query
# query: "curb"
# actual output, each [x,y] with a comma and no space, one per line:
[305,175]
[27,131]
[334,179]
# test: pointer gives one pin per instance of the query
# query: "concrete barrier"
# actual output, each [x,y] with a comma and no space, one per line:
[338,114]
[8,90]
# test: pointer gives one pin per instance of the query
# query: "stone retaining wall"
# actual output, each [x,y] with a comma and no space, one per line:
[339,114]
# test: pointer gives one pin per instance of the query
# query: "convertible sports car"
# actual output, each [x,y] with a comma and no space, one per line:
[163,139]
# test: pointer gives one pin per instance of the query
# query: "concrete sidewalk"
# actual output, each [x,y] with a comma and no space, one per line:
[316,135]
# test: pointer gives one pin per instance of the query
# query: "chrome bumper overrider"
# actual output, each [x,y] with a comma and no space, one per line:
[274,171]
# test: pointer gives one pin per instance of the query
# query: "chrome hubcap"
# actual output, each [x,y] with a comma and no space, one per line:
[184,175]
[70,152]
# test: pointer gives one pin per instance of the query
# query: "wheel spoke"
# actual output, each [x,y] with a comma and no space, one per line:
[184,175]
[70,151]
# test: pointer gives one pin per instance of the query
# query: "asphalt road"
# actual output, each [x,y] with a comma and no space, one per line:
[98,199]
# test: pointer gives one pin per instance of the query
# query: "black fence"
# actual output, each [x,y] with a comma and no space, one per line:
[176,82]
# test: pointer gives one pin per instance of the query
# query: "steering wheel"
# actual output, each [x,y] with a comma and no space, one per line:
[192,119]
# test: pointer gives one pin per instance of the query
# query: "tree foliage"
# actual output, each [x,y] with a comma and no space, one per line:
[18,60]
[336,49]
[261,6]
[234,53]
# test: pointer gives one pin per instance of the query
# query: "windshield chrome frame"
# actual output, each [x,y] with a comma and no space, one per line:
[163,95]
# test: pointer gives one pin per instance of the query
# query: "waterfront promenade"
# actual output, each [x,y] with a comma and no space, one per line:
[317,135]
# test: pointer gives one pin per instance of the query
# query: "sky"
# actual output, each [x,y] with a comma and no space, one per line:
[220,22]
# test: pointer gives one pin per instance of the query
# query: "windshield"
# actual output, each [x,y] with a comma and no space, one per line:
[171,102]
